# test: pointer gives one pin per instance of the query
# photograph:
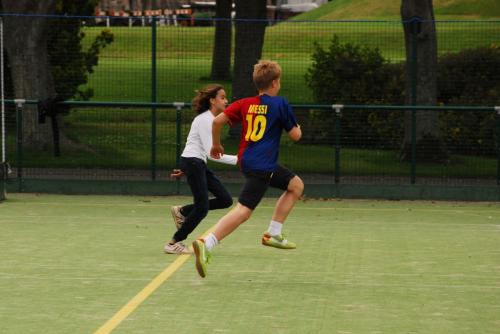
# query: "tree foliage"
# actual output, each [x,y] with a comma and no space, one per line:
[70,63]
[470,77]
[352,74]
[344,73]
[348,74]
[47,62]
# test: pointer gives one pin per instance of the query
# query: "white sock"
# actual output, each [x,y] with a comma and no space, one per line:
[274,227]
[210,241]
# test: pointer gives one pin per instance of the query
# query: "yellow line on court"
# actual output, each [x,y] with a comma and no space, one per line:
[126,310]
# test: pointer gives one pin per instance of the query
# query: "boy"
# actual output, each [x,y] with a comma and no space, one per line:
[263,118]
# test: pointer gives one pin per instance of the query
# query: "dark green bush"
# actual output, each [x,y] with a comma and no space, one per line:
[351,74]
[470,77]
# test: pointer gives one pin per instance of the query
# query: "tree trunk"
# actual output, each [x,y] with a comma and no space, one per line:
[249,41]
[26,45]
[221,58]
[420,33]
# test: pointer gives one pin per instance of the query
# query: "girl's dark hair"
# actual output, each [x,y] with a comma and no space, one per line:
[201,101]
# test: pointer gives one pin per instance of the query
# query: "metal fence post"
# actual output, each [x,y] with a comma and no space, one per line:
[413,170]
[338,109]
[178,131]
[497,109]
[3,138]
[153,98]
[2,93]
[415,29]
[19,129]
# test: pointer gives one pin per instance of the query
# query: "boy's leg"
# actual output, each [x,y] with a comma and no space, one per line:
[254,189]
[287,200]
[231,221]
[293,186]
[225,226]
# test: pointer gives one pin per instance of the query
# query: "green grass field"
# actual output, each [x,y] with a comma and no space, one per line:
[390,9]
[69,263]
[184,54]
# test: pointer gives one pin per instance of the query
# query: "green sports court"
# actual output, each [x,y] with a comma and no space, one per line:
[398,230]
[95,264]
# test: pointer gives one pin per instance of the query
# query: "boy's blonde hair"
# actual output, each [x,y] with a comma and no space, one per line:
[264,72]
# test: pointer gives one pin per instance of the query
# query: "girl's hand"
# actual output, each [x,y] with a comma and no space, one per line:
[176,173]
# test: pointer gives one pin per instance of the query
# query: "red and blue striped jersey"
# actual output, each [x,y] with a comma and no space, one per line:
[263,118]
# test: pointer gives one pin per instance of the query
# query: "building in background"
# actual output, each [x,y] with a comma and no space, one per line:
[140,12]
[138,5]
[143,5]
[169,10]
[292,6]
[283,9]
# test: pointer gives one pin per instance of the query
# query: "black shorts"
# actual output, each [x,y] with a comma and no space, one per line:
[257,182]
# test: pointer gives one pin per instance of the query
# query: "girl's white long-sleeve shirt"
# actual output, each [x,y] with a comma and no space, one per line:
[199,140]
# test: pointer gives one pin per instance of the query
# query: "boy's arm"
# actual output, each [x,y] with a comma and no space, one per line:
[290,122]
[217,150]
[295,133]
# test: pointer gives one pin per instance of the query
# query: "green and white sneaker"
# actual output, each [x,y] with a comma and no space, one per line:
[278,241]
[202,256]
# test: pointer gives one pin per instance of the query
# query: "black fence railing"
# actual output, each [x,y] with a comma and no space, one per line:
[143,141]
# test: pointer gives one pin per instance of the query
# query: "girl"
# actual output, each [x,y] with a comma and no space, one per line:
[208,103]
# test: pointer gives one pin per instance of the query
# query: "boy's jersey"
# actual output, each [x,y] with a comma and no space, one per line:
[263,118]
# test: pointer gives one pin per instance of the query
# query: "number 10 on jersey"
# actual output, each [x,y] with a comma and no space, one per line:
[256,125]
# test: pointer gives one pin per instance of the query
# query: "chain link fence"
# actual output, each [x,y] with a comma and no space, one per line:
[161,62]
